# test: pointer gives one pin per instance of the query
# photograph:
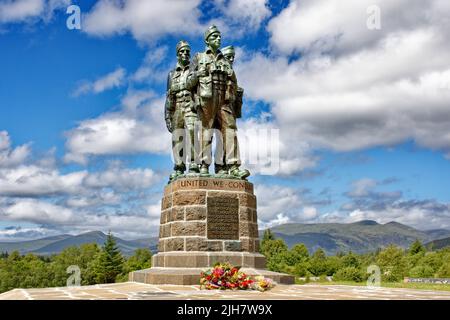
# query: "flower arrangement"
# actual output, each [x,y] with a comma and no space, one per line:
[225,276]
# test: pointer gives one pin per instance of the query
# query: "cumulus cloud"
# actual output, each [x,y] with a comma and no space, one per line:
[112,80]
[145,20]
[129,131]
[363,88]
[14,11]
[10,157]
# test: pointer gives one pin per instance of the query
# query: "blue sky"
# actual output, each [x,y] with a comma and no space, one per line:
[363,114]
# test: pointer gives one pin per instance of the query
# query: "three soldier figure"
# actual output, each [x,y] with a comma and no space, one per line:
[204,92]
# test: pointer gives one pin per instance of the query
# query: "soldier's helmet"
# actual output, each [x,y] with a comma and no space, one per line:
[182,44]
[210,31]
[228,50]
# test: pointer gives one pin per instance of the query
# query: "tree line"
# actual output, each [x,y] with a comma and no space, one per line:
[97,264]
[395,263]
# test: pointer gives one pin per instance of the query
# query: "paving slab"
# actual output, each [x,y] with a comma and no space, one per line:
[140,291]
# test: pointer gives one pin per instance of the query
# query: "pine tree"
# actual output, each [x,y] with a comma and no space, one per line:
[109,263]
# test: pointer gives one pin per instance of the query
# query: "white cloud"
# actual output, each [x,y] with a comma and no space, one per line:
[362,188]
[36,211]
[140,130]
[112,80]
[14,11]
[20,10]
[241,17]
[358,91]
[145,20]
[11,157]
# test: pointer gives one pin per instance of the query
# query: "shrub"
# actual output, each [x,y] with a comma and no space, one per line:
[349,274]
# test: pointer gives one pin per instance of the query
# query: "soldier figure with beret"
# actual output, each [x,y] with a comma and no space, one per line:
[209,77]
[180,113]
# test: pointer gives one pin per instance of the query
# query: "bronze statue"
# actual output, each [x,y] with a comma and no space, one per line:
[213,83]
[180,112]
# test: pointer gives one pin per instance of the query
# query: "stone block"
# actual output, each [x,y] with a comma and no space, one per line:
[245,214]
[183,198]
[174,244]
[188,229]
[214,245]
[177,214]
[247,200]
[166,202]
[235,259]
[196,244]
[247,244]
[232,246]
[196,213]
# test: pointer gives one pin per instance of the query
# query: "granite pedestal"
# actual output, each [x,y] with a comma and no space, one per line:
[204,221]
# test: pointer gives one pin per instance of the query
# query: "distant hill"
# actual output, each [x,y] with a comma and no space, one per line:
[54,245]
[438,244]
[359,237]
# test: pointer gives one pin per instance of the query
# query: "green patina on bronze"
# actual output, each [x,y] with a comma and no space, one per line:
[205,91]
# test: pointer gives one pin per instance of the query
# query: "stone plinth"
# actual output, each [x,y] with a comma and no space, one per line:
[204,221]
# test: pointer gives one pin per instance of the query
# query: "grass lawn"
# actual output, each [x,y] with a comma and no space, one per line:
[419,286]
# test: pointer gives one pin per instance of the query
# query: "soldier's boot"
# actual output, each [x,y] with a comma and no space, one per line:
[221,170]
[178,171]
[193,168]
[238,173]
[204,169]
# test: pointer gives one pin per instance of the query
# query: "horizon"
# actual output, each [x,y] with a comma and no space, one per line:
[5,240]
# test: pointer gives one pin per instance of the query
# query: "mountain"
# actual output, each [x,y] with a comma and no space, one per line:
[359,237]
[438,244]
[54,245]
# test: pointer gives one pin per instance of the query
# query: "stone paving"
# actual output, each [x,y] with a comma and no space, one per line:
[140,291]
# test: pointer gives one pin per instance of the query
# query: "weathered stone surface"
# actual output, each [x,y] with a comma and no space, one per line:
[165,231]
[182,198]
[196,244]
[165,216]
[214,245]
[223,218]
[188,229]
[166,202]
[245,214]
[211,184]
[222,194]
[196,213]
[257,248]
[247,244]
[174,244]
[232,246]
[161,245]
[248,229]
[177,214]
[235,260]
[247,200]
[254,261]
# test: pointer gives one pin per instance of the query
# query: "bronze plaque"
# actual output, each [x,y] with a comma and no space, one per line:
[223,218]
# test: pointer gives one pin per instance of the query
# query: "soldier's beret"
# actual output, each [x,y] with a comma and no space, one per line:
[182,44]
[227,50]
[210,31]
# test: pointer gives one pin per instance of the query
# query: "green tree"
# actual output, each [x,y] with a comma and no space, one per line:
[84,257]
[142,259]
[268,235]
[417,248]
[109,263]
[392,263]
[351,260]
[349,274]
[318,263]
[275,252]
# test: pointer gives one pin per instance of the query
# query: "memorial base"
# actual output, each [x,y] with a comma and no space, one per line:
[205,221]
[191,276]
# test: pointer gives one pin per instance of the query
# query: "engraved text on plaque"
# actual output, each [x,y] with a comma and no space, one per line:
[223,218]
